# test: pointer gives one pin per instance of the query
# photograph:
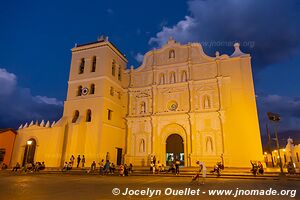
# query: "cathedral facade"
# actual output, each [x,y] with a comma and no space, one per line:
[180,104]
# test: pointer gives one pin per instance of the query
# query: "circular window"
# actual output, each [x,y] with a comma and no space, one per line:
[172,105]
[85,91]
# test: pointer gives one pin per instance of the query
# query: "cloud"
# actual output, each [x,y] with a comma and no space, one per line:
[287,107]
[110,11]
[18,105]
[139,57]
[47,100]
[271,26]
[7,81]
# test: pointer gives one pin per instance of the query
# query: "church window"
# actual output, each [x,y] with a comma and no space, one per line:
[113,68]
[161,78]
[119,74]
[206,102]
[112,91]
[142,146]
[79,90]
[109,114]
[172,54]
[94,64]
[75,116]
[183,76]
[172,77]
[209,145]
[92,90]
[88,116]
[81,66]
[143,107]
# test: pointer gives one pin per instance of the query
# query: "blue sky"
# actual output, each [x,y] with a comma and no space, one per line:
[36,38]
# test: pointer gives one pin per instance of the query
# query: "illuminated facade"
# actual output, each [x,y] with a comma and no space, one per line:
[179,104]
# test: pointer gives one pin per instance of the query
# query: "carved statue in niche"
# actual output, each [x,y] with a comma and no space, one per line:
[209,146]
[142,146]
[206,102]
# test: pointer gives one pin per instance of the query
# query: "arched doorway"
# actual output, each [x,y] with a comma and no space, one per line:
[174,149]
[29,151]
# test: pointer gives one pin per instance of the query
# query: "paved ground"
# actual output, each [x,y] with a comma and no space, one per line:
[94,187]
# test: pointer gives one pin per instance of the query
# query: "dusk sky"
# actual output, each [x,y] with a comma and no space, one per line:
[36,38]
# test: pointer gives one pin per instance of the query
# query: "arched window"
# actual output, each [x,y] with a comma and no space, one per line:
[88,115]
[206,102]
[75,116]
[119,74]
[172,54]
[209,145]
[93,69]
[297,157]
[113,68]
[183,76]
[92,90]
[142,147]
[172,77]
[161,78]
[79,90]
[81,66]
[143,107]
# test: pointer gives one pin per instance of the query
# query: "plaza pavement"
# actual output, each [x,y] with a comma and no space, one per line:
[65,186]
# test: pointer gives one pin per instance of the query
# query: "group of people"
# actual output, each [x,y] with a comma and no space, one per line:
[257,168]
[30,167]
[105,166]
[69,165]
[157,167]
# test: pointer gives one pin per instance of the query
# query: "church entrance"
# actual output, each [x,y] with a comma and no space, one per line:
[29,152]
[174,149]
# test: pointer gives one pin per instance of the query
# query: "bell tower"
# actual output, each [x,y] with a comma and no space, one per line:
[95,108]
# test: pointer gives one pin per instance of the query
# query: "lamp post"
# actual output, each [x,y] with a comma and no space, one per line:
[29,142]
[276,118]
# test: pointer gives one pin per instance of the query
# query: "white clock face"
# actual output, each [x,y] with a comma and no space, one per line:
[85,91]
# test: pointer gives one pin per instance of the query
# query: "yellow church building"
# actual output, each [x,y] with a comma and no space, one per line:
[179,104]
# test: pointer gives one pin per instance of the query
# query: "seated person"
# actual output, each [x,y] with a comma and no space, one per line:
[69,167]
[112,168]
[42,166]
[65,167]
[37,166]
[4,166]
[16,167]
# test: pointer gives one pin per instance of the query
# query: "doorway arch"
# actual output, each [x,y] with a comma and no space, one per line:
[29,152]
[168,130]
[174,149]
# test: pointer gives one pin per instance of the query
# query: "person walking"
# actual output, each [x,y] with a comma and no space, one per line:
[78,160]
[154,160]
[83,161]
[203,170]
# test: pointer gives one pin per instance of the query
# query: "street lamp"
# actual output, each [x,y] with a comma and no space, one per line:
[276,118]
